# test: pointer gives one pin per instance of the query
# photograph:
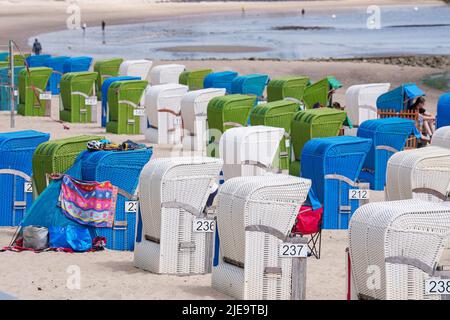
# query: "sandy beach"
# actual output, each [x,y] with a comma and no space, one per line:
[111,274]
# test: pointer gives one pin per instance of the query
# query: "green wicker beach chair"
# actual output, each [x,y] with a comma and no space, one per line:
[288,87]
[4,64]
[194,78]
[32,83]
[56,156]
[277,114]
[106,69]
[318,92]
[313,123]
[124,99]
[76,87]
[227,112]
[19,60]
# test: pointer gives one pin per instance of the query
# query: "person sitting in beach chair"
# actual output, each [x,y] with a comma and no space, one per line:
[426,119]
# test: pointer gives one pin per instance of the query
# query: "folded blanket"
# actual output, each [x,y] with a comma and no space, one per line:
[88,203]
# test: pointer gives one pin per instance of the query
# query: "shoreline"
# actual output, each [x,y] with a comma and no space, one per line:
[50,16]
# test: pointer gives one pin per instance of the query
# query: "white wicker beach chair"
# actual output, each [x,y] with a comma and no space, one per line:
[162,103]
[166,73]
[136,68]
[173,193]
[194,106]
[255,216]
[419,173]
[249,151]
[361,101]
[441,138]
[396,246]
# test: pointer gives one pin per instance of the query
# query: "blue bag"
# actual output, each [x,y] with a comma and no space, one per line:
[72,237]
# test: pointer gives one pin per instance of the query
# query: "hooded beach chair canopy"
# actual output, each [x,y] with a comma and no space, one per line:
[400,98]
[105,87]
[136,68]
[251,84]
[249,150]
[292,87]
[361,101]
[318,92]
[422,173]
[389,136]
[76,87]
[57,65]
[441,137]
[443,111]
[168,209]
[77,64]
[32,82]
[221,79]
[37,60]
[333,165]
[106,69]
[194,106]
[194,79]
[255,214]
[166,73]
[389,237]
[16,149]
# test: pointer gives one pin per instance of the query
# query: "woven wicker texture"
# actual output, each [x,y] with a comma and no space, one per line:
[395,246]
[252,84]
[106,69]
[270,204]
[249,151]
[361,101]
[122,169]
[56,156]
[124,97]
[77,64]
[426,170]
[57,65]
[194,105]
[16,149]
[32,82]
[287,87]
[220,80]
[313,123]
[333,165]
[76,87]
[163,106]
[441,137]
[277,114]
[400,98]
[318,92]
[227,112]
[166,73]
[36,61]
[5,91]
[388,135]
[194,78]
[168,208]
[136,68]
[443,111]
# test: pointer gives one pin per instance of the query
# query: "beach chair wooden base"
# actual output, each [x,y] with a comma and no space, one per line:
[411,143]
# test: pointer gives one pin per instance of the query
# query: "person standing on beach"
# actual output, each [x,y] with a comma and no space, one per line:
[84,28]
[303,12]
[103,26]
[37,48]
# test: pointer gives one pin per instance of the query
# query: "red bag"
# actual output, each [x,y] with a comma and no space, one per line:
[308,220]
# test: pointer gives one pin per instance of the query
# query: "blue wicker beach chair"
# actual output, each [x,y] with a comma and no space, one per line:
[77,64]
[4,56]
[443,111]
[252,84]
[16,150]
[37,60]
[122,169]
[57,64]
[389,136]
[333,164]
[220,80]
[105,86]
[400,98]
[5,92]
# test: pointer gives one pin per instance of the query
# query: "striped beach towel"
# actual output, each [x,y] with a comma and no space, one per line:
[87,202]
